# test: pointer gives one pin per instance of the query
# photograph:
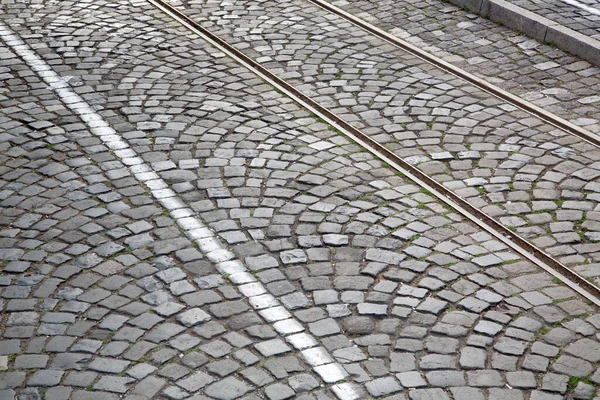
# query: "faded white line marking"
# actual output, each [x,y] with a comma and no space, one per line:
[584,7]
[226,263]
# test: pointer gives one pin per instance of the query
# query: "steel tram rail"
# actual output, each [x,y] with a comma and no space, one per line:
[487,223]
[494,90]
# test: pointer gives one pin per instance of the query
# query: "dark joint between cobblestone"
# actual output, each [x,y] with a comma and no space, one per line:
[508,237]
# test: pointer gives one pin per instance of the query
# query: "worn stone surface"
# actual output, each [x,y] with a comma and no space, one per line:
[512,165]
[103,295]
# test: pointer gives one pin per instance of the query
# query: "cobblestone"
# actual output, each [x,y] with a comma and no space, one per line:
[416,146]
[124,328]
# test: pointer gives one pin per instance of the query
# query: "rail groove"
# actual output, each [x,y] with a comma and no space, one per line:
[494,90]
[487,223]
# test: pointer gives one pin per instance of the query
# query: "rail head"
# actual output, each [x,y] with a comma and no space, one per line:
[576,282]
[494,90]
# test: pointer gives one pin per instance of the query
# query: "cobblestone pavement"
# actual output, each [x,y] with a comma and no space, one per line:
[582,17]
[541,74]
[174,227]
[532,177]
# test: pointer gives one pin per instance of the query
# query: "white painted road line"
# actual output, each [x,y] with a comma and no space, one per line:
[582,6]
[226,263]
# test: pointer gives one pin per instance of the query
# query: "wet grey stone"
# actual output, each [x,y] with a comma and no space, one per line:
[195,381]
[114,384]
[572,366]
[138,350]
[324,327]
[510,346]
[585,348]
[428,394]
[272,347]
[583,391]
[11,254]
[383,386]
[30,361]
[86,346]
[45,378]
[70,361]
[109,365]
[411,379]
[80,379]
[293,256]
[12,379]
[216,349]
[503,362]
[113,322]
[432,305]
[467,393]
[559,336]
[223,368]
[473,304]
[295,300]
[445,378]
[505,394]
[114,349]
[521,379]
[485,378]
[228,389]
[321,297]
[358,325]
[171,275]
[175,393]
[488,328]
[59,344]
[555,383]
[279,391]
[17,266]
[303,383]
[472,358]
[437,361]
[372,309]
[209,281]
[193,317]
[148,388]
[140,371]
[257,376]
[384,256]
[10,347]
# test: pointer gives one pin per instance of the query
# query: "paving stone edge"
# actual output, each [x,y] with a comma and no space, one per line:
[535,26]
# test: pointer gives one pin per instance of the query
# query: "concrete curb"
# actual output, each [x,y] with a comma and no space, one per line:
[535,26]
